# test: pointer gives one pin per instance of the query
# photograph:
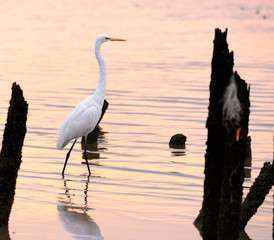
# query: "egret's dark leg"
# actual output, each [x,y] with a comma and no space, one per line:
[85,154]
[68,154]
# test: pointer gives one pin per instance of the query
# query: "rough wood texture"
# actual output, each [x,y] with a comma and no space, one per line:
[233,174]
[10,156]
[4,233]
[222,64]
[224,158]
[257,193]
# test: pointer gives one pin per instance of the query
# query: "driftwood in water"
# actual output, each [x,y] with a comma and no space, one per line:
[253,200]
[226,145]
[257,193]
[10,156]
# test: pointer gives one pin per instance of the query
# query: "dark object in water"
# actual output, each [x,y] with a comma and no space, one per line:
[227,125]
[253,200]
[10,156]
[178,141]
[257,193]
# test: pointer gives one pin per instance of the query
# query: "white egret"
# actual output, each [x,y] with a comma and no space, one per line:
[85,116]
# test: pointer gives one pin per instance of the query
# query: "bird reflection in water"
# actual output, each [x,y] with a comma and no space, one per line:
[75,218]
[93,151]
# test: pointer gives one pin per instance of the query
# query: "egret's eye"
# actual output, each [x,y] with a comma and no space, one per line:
[107,38]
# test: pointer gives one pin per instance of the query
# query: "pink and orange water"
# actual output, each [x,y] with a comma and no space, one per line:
[157,86]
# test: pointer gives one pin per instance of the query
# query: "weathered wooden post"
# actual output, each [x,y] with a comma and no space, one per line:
[10,156]
[227,126]
[233,175]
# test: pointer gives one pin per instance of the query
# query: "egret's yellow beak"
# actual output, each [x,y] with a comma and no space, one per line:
[116,39]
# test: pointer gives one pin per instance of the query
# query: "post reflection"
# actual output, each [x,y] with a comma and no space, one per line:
[75,218]
[178,153]
[248,158]
[95,137]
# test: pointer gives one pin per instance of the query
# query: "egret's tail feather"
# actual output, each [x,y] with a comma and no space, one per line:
[61,143]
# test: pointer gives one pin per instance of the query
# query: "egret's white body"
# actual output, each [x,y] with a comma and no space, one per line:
[80,122]
[85,116]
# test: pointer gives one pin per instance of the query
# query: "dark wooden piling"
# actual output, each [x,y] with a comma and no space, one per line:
[10,156]
[222,64]
[233,173]
[225,154]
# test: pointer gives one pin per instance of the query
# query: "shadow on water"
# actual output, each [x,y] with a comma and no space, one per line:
[74,216]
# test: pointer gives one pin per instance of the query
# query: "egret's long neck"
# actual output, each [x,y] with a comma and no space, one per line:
[101,87]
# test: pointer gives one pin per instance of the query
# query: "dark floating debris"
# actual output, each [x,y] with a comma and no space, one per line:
[178,141]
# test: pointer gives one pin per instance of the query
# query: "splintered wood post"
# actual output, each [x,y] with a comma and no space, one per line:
[10,156]
[222,64]
[234,159]
[227,126]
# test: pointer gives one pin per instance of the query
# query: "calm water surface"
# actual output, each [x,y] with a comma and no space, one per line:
[157,86]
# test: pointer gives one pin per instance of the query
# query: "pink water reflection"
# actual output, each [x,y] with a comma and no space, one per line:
[157,86]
